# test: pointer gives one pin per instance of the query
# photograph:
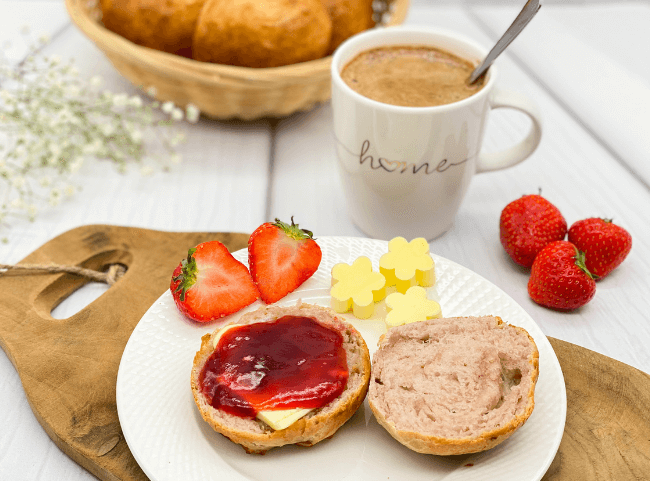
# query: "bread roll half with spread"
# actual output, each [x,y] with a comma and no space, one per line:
[281,375]
[455,385]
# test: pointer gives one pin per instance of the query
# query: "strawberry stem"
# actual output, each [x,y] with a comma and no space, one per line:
[293,230]
[580,262]
[187,276]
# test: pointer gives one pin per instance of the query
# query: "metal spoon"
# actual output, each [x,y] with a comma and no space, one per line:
[525,16]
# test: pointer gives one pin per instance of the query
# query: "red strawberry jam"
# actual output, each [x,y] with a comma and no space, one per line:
[292,362]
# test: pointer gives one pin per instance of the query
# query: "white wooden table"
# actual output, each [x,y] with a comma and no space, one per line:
[585,64]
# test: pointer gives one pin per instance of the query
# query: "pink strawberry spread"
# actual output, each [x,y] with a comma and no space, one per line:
[453,377]
[291,362]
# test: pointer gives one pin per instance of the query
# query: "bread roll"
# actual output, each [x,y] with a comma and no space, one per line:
[162,25]
[455,385]
[256,436]
[349,17]
[250,33]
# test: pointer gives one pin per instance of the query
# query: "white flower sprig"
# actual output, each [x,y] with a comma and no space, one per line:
[52,121]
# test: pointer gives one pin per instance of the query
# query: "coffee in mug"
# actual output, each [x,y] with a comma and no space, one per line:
[410,76]
[405,169]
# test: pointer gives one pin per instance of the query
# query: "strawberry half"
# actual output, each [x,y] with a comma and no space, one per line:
[559,278]
[527,225]
[604,243]
[281,257]
[211,283]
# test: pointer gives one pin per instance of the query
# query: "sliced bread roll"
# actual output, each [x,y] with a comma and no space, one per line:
[258,437]
[455,385]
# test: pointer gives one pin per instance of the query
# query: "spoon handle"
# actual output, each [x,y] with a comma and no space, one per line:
[526,15]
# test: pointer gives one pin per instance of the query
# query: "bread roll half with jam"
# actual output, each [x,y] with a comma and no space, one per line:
[255,435]
[455,385]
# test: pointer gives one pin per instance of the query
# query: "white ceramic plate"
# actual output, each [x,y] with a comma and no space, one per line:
[171,442]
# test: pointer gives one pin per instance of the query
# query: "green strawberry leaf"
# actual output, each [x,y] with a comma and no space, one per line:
[187,276]
[580,262]
[293,230]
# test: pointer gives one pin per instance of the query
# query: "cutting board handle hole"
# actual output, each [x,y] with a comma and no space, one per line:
[79,299]
[70,293]
[82,297]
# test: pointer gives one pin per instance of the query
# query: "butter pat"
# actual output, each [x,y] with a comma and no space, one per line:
[282,419]
[356,287]
[408,264]
[410,307]
[220,333]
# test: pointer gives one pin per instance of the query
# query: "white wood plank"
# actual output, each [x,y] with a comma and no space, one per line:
[574,171]
[22,22]
[594,60]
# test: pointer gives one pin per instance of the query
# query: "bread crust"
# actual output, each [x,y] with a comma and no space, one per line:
[168,25]
[349,17]
[254,435]
[429,444]
[249,33]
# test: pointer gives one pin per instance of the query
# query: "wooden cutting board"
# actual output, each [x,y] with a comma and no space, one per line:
[607,433]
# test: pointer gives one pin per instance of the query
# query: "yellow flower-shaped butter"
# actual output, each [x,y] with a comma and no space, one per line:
[410,307]
[407,264]
[357,287]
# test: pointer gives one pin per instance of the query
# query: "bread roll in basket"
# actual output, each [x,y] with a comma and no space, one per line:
[219,91]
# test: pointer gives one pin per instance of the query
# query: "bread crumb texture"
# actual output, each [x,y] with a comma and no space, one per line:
[465,382]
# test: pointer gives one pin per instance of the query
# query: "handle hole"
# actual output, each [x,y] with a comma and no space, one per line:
[81,297]
[505,128]
[69,293]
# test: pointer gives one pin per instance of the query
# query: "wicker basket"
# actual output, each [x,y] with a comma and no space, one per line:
[219,91]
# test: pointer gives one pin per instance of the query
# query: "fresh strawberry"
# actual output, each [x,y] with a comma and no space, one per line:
[527,225]
[211,283]
[559,278]
[605,244]
[281,257]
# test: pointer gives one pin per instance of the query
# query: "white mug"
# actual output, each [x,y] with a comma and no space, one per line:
[405,170]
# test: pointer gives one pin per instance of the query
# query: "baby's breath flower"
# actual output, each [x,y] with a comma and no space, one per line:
[177,114]
[55,197]
[120,100]
[107,129]
[167,107]
[53,121]
[192,113]
[76,164]
[18,182]
[136,135]
[179,138]
[136,101]
[72,90]
[32,210]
